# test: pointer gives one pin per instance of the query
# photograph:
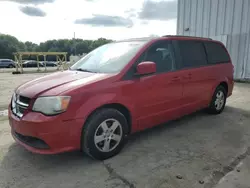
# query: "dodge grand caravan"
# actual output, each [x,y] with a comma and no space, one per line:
[118,89]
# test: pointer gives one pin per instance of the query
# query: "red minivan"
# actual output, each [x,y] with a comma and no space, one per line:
[118,89]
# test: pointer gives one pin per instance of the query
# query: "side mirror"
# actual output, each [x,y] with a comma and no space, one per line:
[146,67]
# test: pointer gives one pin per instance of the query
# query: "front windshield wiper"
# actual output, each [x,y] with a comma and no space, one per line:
[85,70]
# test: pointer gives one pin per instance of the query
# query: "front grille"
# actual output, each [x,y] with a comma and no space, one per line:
[22,109]
[23,99]
[19,104]
[32,141]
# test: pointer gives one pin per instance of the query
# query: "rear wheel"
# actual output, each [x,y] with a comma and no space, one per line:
[218,102]
[103,134]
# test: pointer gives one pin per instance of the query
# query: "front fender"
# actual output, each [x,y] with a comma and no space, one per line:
[99,100]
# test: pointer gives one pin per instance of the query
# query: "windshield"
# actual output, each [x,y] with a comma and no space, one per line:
[109,58]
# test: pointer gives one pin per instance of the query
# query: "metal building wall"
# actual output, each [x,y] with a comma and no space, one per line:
[224,20]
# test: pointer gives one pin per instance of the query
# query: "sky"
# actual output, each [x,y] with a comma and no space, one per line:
[41,20]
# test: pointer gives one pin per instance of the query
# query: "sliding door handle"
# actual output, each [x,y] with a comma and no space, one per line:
[188,76]
[176,79]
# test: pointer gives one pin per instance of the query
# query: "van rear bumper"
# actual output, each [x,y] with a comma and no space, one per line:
[230,88]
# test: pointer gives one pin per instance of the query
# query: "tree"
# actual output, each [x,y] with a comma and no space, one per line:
[83,46]
[30,47]
[99,42]
[10,44]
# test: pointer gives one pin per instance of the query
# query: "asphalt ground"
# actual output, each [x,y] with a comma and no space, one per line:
[196,151]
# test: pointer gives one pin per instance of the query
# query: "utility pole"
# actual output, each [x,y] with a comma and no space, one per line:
[75,42]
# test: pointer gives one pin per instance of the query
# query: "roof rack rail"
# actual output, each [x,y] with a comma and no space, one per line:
[186,36]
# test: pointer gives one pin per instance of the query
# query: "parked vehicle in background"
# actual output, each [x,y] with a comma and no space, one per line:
[7,63]
[49,64]
[32,63]
[118,89]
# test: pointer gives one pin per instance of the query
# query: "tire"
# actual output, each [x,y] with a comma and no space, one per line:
[10,66]
[218,102]
[103,145]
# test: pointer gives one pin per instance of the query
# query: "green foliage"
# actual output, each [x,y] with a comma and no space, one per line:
[9,45]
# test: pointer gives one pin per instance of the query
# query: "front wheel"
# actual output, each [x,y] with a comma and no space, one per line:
[11,66]
[218,102]
[104,134]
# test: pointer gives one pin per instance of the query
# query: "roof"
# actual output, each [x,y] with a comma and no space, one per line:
[138,39]
[168,36]
[183,36]
[6,59]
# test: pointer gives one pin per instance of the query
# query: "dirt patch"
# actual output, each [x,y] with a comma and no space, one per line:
[8,83]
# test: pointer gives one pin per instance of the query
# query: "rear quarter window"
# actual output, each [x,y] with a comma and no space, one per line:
[216,53]
[193,53]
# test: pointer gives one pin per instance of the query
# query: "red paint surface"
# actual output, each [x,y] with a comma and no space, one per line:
[146,68]
[151,100]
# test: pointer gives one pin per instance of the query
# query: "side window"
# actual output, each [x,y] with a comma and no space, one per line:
[192,53]
[161,53]
[216,53]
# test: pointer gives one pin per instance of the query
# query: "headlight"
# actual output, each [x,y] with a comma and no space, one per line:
[13,101]
[51,105]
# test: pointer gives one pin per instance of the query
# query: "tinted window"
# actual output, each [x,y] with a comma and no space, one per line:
[216,53]
[192,53]
[160,53]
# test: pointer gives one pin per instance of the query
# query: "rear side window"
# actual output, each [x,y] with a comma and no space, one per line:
[216,53]
[192,53]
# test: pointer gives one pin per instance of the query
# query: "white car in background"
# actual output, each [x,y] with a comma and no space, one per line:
[7,63]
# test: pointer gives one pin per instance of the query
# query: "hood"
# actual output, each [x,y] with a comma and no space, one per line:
[53,81]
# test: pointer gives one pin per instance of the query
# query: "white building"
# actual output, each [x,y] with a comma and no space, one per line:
[224,20]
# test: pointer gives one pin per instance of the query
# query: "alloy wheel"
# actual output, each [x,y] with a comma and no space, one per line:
[220,100]
[108,135]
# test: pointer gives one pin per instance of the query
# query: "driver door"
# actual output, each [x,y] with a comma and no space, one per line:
[158,95]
